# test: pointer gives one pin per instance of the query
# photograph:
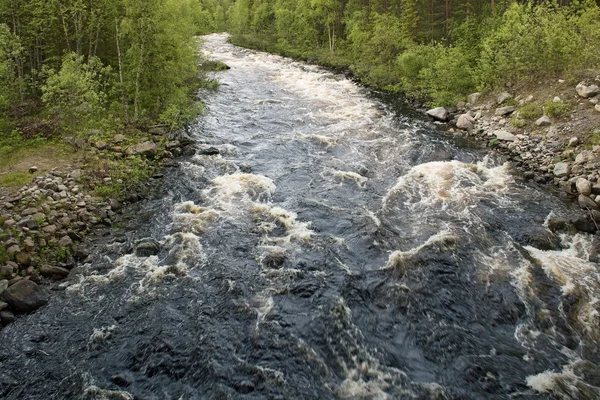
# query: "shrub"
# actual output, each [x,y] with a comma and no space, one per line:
[556,109]
[531,111]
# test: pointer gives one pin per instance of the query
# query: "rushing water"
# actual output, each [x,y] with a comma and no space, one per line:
[333,249]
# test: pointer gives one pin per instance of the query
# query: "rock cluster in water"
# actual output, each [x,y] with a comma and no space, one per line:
[550,153]
[43,223]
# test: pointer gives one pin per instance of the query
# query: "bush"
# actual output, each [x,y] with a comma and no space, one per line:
[531,111]
[556,109]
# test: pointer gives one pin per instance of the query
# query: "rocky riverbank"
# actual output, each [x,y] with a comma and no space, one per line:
[45,226]
[561,149]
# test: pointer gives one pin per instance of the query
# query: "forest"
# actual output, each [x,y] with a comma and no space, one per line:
[68,66]
[436,51]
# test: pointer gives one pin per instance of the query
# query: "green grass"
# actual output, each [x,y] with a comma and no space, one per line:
[14,179]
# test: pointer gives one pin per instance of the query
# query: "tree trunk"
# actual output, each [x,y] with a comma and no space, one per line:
[123,92]
[138,75]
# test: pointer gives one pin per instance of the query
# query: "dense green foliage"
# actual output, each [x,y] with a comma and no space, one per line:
[433,50]
[81,65]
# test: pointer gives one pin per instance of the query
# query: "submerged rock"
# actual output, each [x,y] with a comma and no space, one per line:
[147,248]
[25,296]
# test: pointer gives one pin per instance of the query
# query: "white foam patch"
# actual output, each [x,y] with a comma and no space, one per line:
[448,184]
[296,230]
[360,180]
[402,260]
[225,188]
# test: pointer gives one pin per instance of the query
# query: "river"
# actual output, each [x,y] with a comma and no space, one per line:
[336,247]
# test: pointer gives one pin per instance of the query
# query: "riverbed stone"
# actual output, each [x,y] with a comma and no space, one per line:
[3,285]
[586,156]
[584,186]
[438,113]
[586,203]
[562,169]
[49,271]
[65,241]
[587,91]
[597,107]
[504,111]
[543,121]
[26,296]
[504,135]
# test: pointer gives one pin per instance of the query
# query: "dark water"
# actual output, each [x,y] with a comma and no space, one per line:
[334,249]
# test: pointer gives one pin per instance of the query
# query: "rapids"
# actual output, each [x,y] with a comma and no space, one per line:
[337,247]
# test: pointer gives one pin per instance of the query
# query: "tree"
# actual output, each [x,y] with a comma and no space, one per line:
[76,95]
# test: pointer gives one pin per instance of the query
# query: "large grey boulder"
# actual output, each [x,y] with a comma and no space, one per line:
[25,296]
[562,169]
[587,91]
[147,149]
[504,111]
[505,136]
[438,113]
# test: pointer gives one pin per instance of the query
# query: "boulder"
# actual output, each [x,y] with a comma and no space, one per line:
[502,97]
[543,121]
[504,111]
[209,151]
[584,224]
[7,317]
[505,136]
[586,203]
[3,285]
[54,272]
[25,296]
[584,186]
[438,113]
[465,122]
[587,91]
[585,157]
[562,169]
[147,149]
[473,98]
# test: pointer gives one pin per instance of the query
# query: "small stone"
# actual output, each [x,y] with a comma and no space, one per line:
[3,305]
[505,136]
[6,271]
[65,241]
[562,169]
[3,285]
[543,121]
[573,142]
[29,244]
[586,203]
[54,272]
[23,258]
[584,186]
[13,249]
[33,169]
[597,107]
[556,99]
[26,296]
[503,111]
